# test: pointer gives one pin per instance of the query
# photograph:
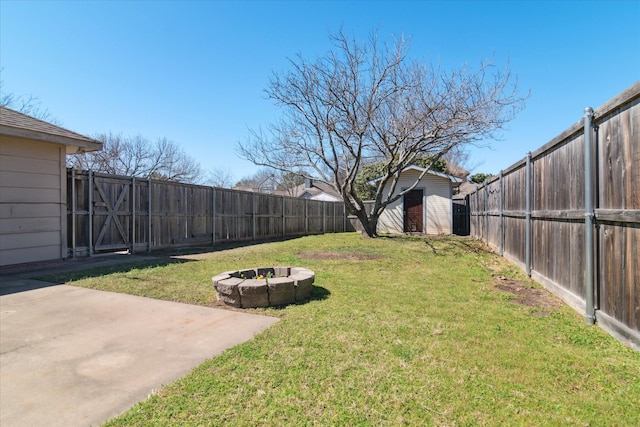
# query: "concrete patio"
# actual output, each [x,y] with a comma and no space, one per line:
[77,357]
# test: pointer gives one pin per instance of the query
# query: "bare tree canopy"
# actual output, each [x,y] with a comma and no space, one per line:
[220,177]
[267,180]
[459,163]
[366,102]
[264,180]
[25,104]
[140,157]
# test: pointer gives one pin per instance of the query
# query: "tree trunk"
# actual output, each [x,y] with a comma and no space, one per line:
[369,225]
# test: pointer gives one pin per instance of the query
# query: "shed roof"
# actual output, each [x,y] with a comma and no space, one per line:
[453,179]
[14,123]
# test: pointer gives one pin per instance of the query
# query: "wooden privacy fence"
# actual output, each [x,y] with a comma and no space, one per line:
[110,213]
[571,218]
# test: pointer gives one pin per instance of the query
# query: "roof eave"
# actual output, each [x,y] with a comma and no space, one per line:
[451,178]
[73,145]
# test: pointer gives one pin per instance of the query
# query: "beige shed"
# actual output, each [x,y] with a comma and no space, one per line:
[427,209]
[33,187]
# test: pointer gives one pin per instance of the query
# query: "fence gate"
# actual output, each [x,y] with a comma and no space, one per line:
[102,209]
[111,214]
[461,217]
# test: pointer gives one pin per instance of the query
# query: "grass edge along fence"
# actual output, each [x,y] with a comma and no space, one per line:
[108,213]
[570,217]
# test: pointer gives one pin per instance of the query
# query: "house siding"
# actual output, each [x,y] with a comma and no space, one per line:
[436,204]
[32,201]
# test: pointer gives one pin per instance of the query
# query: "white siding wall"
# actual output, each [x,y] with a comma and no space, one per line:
[438,207]
[436,204]
[32,201]
[392,219]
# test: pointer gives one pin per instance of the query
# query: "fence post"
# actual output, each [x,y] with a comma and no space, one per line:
[486,211]
[527,225]
[90,208]
[588,218]
[478,234]
[344,217]
[132,248]
[333,218]
[74,207]
[253,216]
[306,216]
[284,220]
[149,214]
[239,216]
[213,216]
[501,215]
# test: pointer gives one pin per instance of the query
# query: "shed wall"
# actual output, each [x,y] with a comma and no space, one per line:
[32,194]
[436,204]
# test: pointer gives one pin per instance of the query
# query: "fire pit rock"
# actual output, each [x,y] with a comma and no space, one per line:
[264,286]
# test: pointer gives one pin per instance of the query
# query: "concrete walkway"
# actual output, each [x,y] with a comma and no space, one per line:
[71,356]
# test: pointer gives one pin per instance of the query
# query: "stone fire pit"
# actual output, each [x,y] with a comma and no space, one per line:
[264,286]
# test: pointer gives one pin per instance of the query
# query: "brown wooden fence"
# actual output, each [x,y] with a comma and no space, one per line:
[534,214]
[110,213]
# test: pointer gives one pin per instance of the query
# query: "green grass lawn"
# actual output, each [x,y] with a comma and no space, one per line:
[400,331]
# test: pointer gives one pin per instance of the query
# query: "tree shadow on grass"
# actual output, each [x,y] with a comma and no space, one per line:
[453,246]
[79,274]
[219,246]
[26,277]
[445,245]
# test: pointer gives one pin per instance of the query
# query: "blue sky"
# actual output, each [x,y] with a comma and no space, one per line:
[195,71]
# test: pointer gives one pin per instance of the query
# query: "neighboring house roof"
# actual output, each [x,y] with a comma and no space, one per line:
[311,189]
[465,188]
[13,123]
[317,190]
[457,170]
[245,188]
[454,179]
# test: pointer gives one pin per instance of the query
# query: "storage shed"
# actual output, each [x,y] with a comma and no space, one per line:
[427,209]
[33,187]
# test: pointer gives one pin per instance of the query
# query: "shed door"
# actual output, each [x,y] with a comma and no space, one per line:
[413,212]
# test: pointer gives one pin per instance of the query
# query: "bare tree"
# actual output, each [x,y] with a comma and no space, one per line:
[171,163]
[265,180]
[220,177]
[25,104]
[364,102]
[459,162]
[138,156]
[288,182]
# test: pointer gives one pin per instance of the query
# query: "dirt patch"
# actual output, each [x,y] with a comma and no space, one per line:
[528,296]
[338,256]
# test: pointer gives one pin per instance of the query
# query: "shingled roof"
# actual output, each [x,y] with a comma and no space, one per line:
[13,123]
[315,189]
